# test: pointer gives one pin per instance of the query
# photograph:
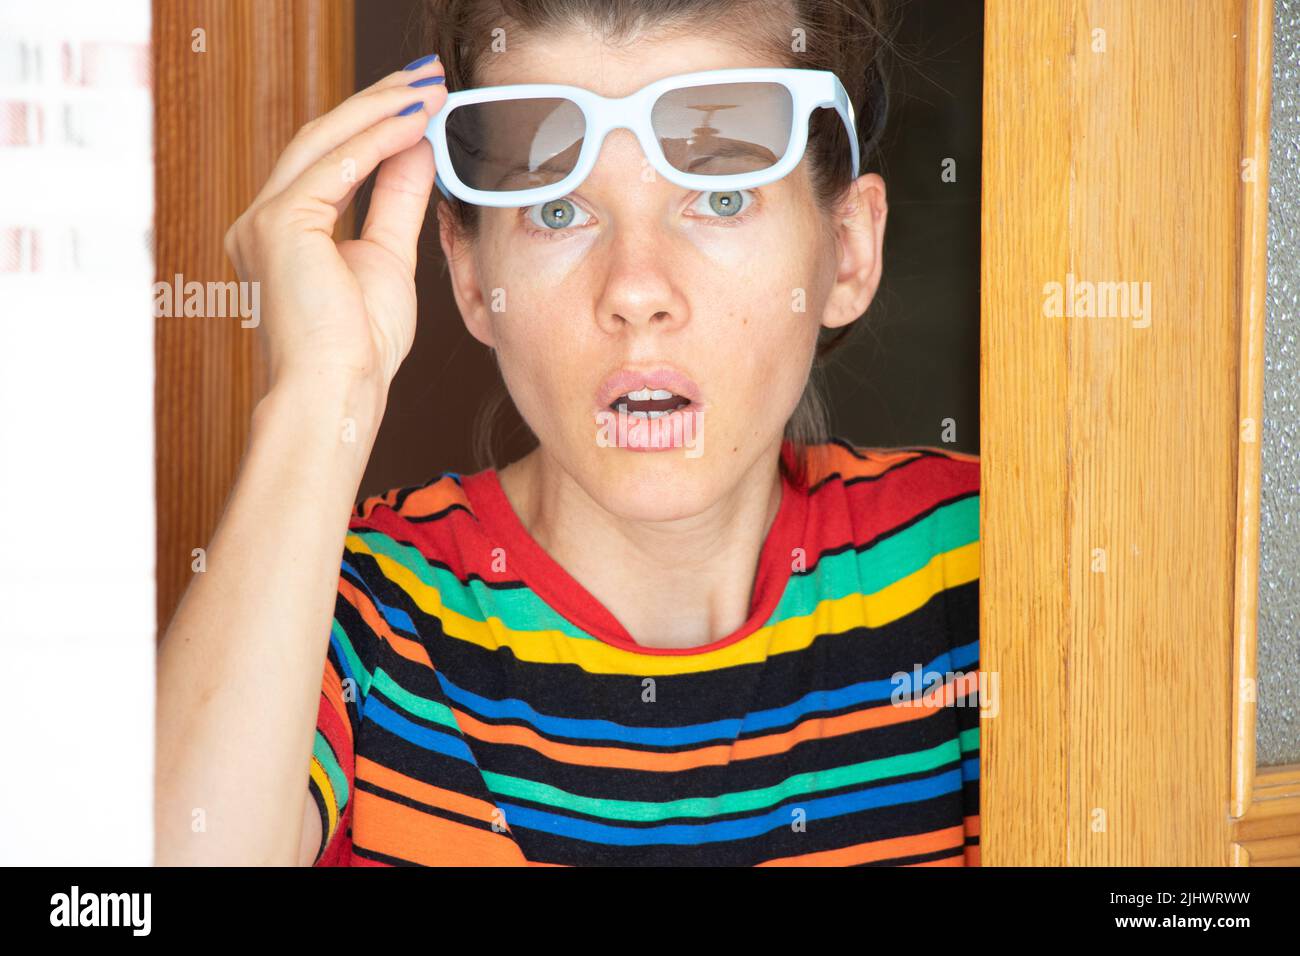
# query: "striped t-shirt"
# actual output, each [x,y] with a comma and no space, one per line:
[480,707]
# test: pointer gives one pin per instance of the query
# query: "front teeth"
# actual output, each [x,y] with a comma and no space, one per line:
[647,395]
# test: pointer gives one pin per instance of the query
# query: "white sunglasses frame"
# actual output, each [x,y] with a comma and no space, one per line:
[809,89]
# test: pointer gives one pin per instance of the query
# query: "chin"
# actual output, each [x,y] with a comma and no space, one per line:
[655,485]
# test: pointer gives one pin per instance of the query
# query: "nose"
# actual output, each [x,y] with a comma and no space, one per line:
[638,299]
[639,284]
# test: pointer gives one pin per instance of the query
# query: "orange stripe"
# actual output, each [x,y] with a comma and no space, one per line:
[411,650]
[397,830]
[332,687]
[828,459]
[420,503]
[428,794]
[972,825]
[949,837]
[946,861]
[439,496]
[815,728]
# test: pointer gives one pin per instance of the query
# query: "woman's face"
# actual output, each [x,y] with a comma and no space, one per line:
[647,275]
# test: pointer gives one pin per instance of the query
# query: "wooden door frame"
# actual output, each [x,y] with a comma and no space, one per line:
[233,81]
[272,65]
[1265,801]
[1097,114]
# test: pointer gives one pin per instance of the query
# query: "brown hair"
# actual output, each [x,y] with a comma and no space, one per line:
[847,37]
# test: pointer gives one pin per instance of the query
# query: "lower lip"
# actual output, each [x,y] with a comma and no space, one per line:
[678,429]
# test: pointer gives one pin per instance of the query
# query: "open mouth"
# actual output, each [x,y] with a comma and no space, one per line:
[649,403]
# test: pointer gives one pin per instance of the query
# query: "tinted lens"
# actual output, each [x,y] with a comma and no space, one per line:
[724,128]
[509,145]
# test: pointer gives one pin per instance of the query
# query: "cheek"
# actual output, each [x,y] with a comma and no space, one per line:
[770,303]
[532,267]
[539,346]
[766,292]
[536,362]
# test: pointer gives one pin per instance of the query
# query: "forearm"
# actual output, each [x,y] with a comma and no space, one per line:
[240,667]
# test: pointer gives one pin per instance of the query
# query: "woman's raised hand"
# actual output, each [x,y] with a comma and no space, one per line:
[347,308]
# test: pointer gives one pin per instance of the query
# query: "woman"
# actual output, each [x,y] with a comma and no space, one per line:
[713,645]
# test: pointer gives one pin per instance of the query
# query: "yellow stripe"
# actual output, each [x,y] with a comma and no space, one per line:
[947,570]
[322,779]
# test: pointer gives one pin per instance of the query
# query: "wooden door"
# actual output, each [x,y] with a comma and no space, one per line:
[233,81]
[1126,149]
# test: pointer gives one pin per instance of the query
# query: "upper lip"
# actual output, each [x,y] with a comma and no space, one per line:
[632,377]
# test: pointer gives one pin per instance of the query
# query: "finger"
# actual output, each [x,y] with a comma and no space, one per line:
[399,202]
[316,198]
[358,112]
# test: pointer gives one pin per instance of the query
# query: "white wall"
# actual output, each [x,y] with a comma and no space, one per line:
[77,625]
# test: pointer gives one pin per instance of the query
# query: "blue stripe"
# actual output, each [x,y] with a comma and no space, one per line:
[345,666]
[395,617]
[866,692]
[426,737]
[965,656]
[688,834]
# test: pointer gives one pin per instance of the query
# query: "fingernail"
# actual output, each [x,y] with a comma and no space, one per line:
[416,64]
[428,81]
[412,108]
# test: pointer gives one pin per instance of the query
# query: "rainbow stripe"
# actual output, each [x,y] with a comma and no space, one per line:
[479,714]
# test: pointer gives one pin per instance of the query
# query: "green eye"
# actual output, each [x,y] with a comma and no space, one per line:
[724,205]
[556,214]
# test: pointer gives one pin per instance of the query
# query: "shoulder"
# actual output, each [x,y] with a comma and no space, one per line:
[919,468]
[916,503]
[409,527]
[423,502]
[914,509]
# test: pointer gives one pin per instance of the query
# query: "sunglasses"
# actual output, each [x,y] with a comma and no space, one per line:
[714,130]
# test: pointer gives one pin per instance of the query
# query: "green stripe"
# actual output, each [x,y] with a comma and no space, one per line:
[414,704]
[744,801]
[866,572]
[970,740]
[359,672]
[850,572]
[518,608]
[338,779]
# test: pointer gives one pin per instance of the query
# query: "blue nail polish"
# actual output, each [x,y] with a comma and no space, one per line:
[429,81]
[416,64]
[411,109]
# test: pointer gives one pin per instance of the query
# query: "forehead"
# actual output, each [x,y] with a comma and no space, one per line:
[579,57]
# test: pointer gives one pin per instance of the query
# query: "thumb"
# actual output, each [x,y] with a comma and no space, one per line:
[399,201]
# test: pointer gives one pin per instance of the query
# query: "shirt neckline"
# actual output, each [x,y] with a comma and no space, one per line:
[528,560]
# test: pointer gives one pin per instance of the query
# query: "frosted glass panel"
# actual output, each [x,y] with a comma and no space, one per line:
[1278,729]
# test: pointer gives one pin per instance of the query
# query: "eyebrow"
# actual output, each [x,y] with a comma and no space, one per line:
[723,149]
[519,172]
[731,148]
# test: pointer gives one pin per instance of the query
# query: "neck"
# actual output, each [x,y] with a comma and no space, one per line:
[707,562]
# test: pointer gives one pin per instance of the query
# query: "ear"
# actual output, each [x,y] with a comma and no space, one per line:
[463,271]
[860,236]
